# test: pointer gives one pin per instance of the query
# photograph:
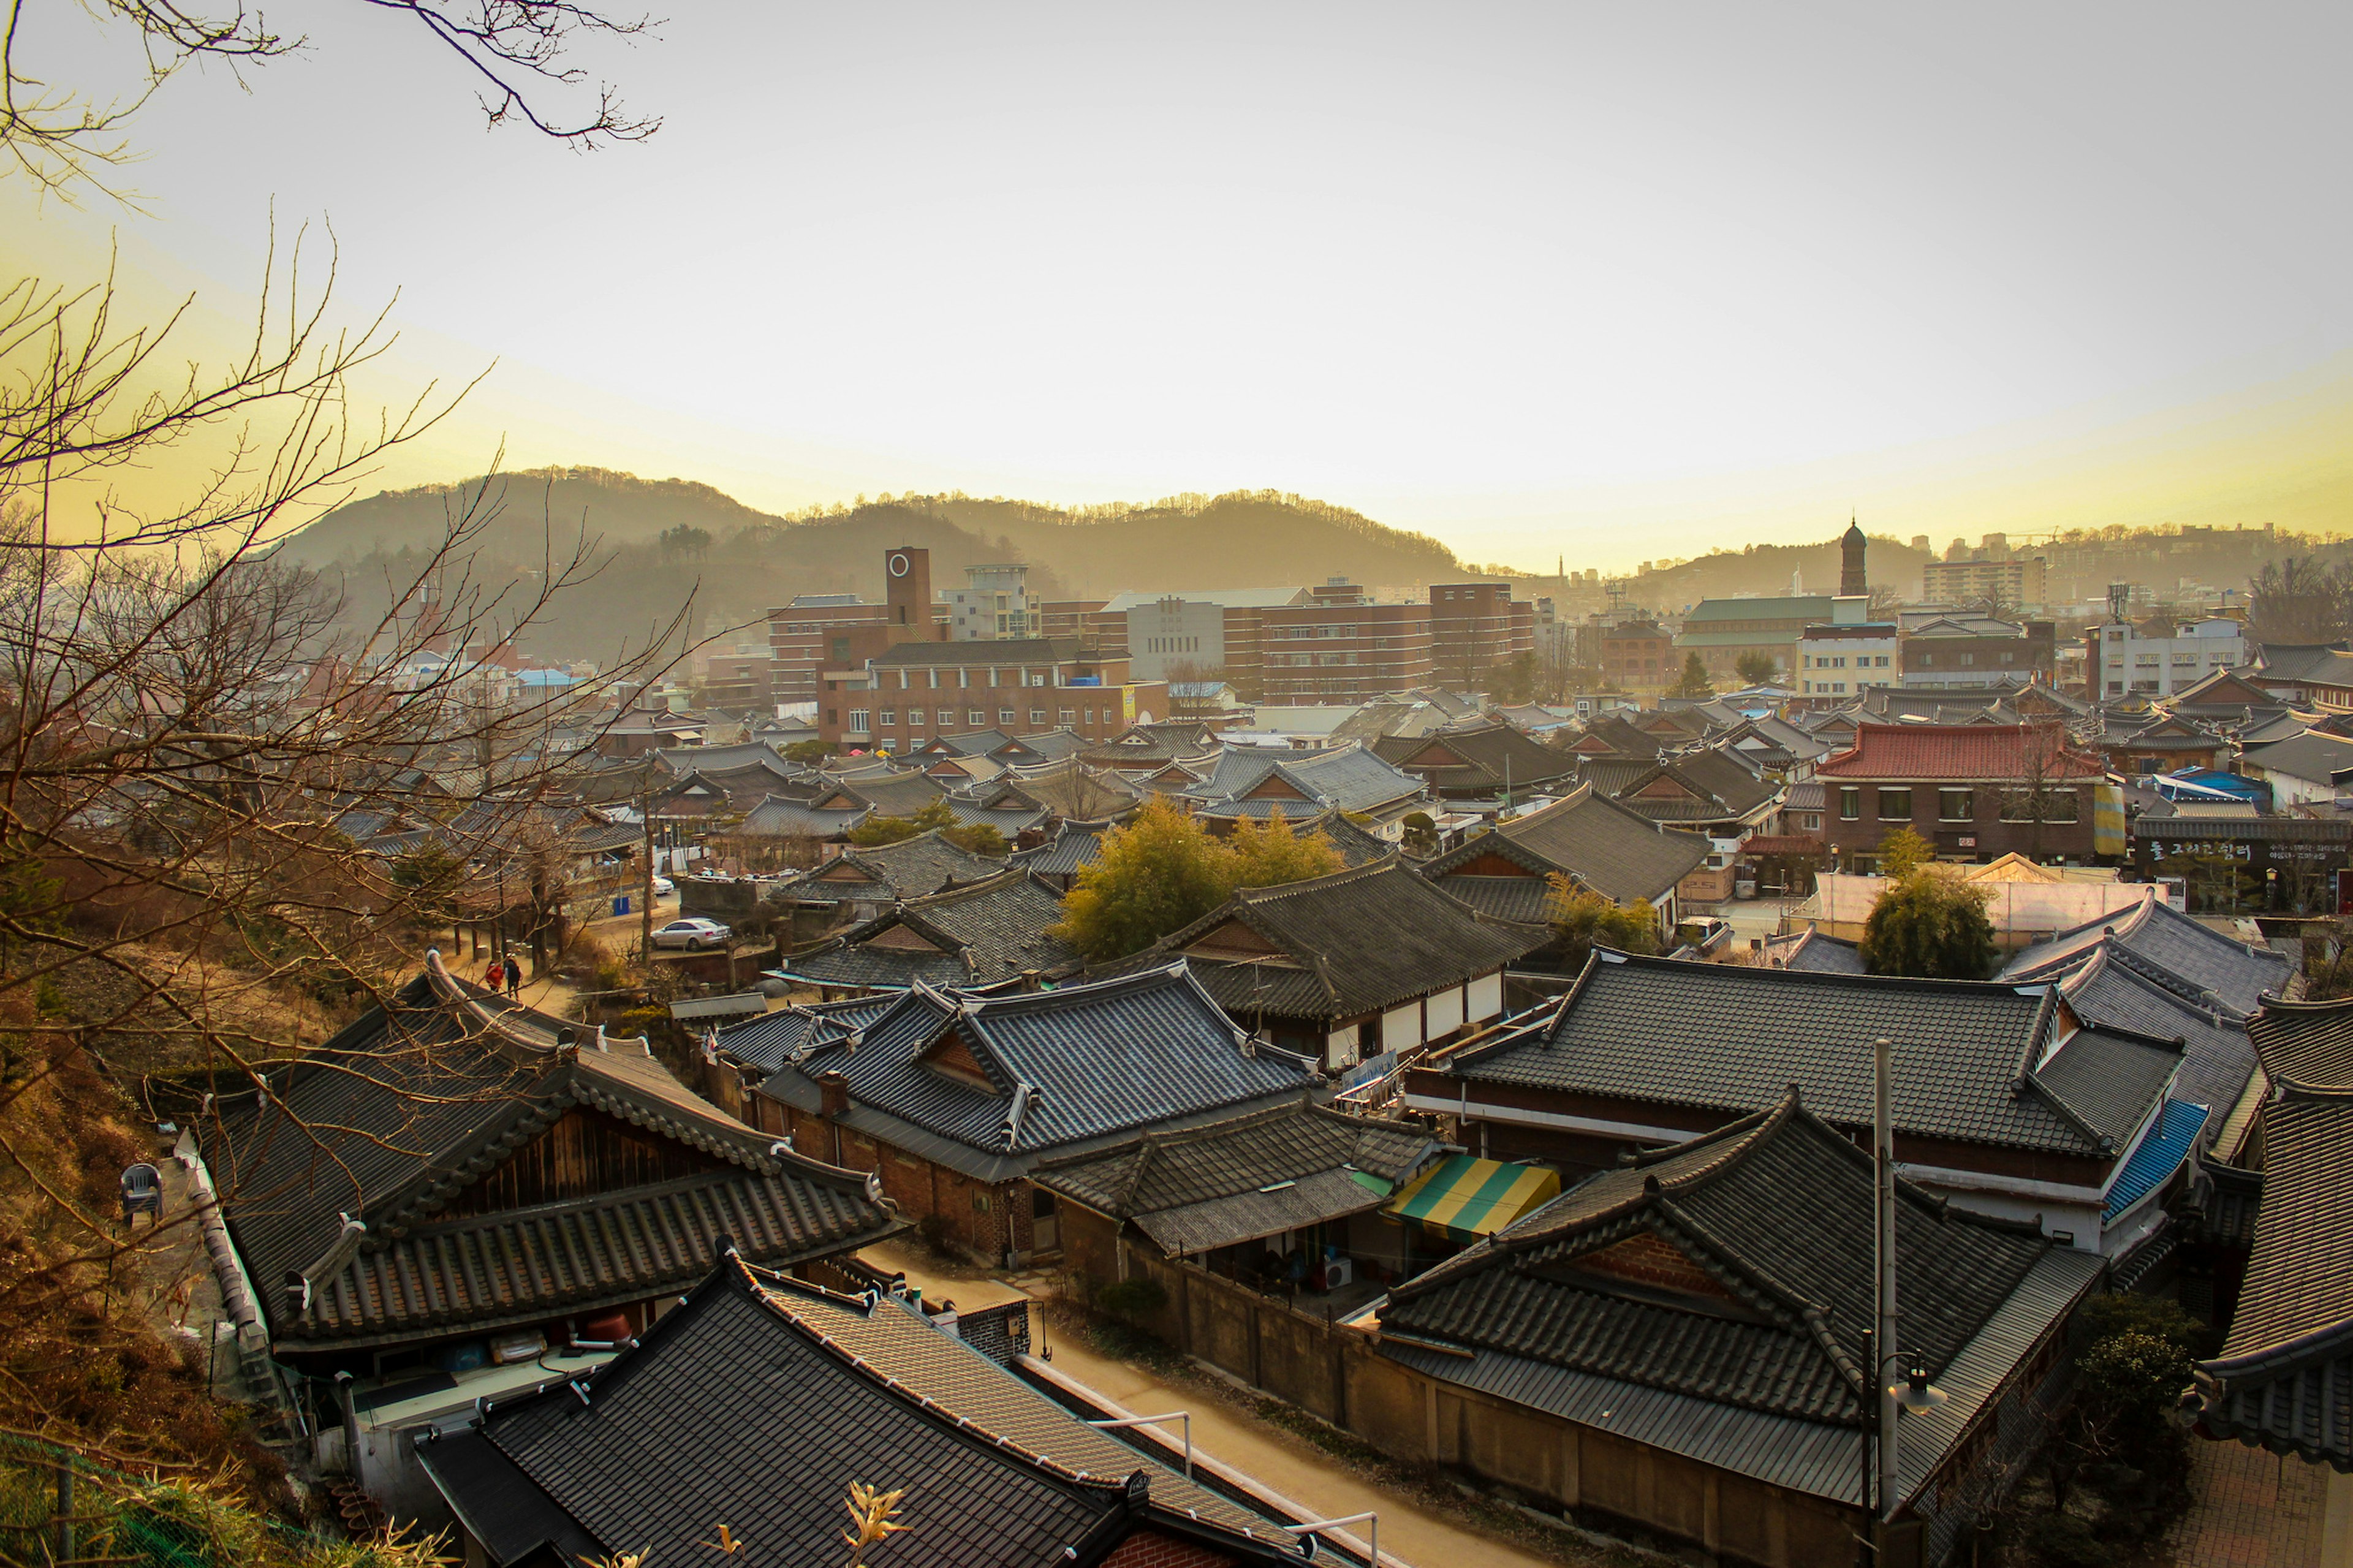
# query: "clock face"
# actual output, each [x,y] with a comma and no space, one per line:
[898,564]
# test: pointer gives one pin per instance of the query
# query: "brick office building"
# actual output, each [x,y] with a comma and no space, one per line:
[820,631]
[1476,630]
[1974,791]
[906,695]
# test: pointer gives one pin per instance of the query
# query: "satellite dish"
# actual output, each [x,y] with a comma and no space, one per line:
[897,564]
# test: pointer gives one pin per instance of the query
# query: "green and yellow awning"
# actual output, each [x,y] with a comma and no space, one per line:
[1462,1198]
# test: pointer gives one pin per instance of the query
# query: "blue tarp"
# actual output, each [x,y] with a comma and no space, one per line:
[2159,1155]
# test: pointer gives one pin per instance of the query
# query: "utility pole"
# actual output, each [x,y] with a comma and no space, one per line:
[1885,1358]
[646,920]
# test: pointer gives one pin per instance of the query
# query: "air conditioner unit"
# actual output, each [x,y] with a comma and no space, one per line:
[1339,1272]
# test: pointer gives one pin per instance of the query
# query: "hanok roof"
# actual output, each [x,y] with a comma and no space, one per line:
[1962,754]
[766,1042]
[1613,735]
[1716,1210]
[1336,947]
[1478,758]
[1074,844]
[1244,1178]
[2285,1379]
[984,933]
[1250,783]
[2117,989]
[1811,951]
[1600,843]
[1974,1059]
[2304,664]
[648,1453]
[898,792]
[987,1084]
[829,816]
[395,1122]
[1714,1300]
[910,869]
[2313,756]
[2168,946]
[1705,785]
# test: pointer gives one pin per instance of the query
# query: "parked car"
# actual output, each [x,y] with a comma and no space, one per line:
[664,887]
[692,934]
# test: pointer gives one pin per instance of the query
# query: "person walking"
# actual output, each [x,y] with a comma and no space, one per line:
[514,979]
[493,977]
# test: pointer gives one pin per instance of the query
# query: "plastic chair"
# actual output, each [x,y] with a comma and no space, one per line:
[142,1190]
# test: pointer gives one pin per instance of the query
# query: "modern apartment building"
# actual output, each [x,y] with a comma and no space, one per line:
[993,605]
[2159,658]
[2016,583]
[1842,660]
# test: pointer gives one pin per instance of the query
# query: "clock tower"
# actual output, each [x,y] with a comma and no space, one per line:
[907,591]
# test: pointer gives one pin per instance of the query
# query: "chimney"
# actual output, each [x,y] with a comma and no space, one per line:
[835,1089]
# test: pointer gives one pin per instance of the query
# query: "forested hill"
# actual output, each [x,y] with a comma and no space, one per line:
[660,540]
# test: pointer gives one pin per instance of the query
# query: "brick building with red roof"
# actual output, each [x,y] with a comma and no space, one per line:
[1974,791]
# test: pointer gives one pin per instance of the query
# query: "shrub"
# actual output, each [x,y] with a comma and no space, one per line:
[1131,1299]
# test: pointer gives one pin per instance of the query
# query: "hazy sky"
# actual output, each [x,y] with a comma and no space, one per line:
[1538,278]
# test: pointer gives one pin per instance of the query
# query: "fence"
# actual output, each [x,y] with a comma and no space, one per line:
[60,1508]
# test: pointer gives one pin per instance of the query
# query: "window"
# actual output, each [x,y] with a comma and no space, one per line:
[857,721]
[1849,804]
[833,715]
[975,717]
[1881,661]
[1895,805]
[1927,660]
[890,715]
[1957,805]
[915,715]
[2052,805]
[1005,716]
[1069,716]
[1036,715]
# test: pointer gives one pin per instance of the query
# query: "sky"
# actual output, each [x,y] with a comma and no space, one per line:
[1604,281]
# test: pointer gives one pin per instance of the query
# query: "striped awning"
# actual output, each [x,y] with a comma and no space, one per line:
[1462,1198]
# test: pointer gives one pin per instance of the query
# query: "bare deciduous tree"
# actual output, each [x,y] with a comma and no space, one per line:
[61,138]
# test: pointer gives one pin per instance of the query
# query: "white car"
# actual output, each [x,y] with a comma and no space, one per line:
[692,934]
[664,887]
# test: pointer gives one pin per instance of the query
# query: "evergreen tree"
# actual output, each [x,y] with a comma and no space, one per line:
[1902,852]
[1931,925]
[1694,682]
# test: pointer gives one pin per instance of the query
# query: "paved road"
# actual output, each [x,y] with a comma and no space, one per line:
[1285,1463]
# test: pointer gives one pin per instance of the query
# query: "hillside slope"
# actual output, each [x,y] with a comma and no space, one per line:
[742,562]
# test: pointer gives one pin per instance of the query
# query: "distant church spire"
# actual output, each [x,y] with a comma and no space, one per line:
[1852,578]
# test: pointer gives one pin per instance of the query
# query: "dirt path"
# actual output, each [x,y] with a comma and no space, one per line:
[1288,1464]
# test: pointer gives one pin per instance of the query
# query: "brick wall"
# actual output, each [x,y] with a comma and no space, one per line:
[1149,1549]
